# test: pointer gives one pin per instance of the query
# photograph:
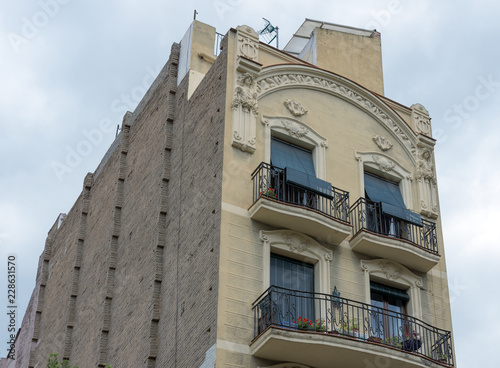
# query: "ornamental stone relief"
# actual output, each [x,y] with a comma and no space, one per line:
[390,270]
[266,84]
[296,243]
[244,94]
[383,143]
[295,130]
[248,43]
[427,183]
[244,105]
[295,107]
[245,110]
[384,164]
[248,47]
[421,120]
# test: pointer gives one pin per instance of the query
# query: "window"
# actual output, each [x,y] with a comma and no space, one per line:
[298,277]
[291,274]
[388,313]
[386,210]
[389,272]
[299,181]
[299,263]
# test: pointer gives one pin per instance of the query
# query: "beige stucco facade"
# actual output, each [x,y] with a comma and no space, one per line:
[167,251]
[350,130]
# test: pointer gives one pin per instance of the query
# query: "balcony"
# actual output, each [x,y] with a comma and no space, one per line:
[321,330]
[284,205]
[379,235]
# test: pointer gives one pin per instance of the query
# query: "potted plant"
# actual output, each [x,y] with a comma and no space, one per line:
[444,358]
[350,327]
[392,341]
[304,324]
[412,342]
[269,192]
[375,339]
[320,325]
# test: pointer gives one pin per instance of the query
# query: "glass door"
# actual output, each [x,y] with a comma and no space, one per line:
[295,306]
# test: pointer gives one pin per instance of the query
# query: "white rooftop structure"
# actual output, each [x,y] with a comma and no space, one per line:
[300,39]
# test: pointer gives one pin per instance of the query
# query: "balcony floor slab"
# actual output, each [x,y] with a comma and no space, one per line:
[323,350]
[304,220]
[397,250]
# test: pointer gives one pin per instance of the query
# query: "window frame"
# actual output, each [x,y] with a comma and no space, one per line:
[300,247]
[388,168]
[298,133]
[393,274]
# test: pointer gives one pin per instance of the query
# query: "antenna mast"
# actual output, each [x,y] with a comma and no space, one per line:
[269,33]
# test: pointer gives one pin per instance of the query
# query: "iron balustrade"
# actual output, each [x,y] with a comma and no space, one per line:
[332,315]
[218,41]
[270,182]
[368,215]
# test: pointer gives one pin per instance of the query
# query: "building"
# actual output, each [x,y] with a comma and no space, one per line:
[260,208]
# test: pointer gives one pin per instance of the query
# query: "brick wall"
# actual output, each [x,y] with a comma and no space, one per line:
[130,278]
[189,295]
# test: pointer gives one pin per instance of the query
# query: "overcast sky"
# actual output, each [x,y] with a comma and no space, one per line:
[70,69]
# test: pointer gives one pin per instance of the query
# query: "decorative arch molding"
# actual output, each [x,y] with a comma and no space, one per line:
[298,246]
[396,275]
[298,132]
[287,365]
[388,167]
[280,77]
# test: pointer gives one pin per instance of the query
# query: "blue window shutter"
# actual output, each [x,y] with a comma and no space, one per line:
[299,167]
[388,193]
[287,155]
[389,291]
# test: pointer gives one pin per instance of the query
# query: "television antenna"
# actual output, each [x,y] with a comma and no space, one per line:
[269,33]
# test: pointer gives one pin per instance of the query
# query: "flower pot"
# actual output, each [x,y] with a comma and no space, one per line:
[411,345]
[375,339]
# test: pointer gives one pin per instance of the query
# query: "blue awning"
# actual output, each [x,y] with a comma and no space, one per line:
[284,154]
[309,182]
[388,193]
[299,166]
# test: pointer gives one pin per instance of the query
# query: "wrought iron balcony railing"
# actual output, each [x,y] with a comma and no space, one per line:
[270,182]
[330,315]
[368,215]
[218,41]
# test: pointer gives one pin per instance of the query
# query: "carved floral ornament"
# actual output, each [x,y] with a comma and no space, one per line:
[295,107]
[268,82]
[382,142]
[383,163]
[295,130]
[296,243]
[391,271]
